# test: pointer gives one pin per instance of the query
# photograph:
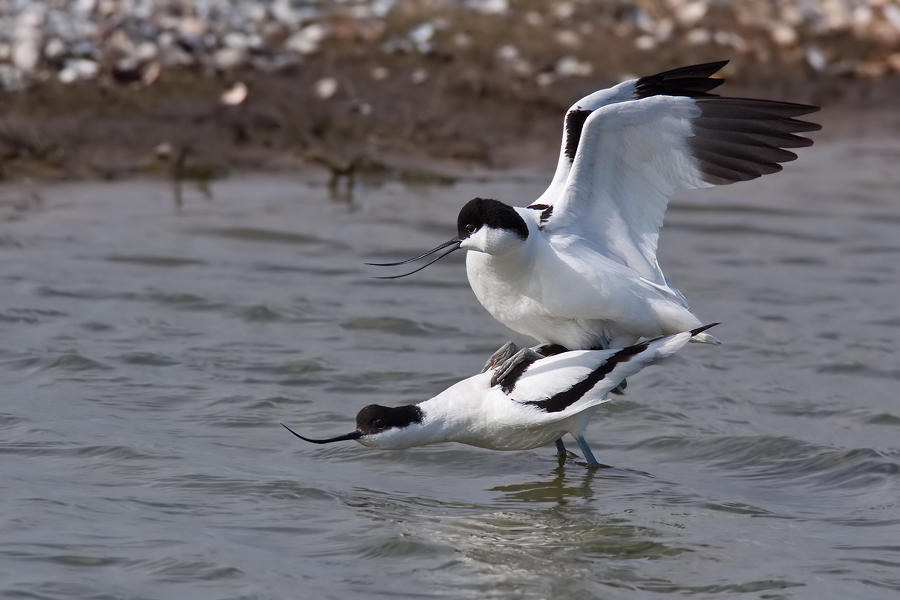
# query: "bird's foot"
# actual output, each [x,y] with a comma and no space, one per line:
[505,352]
[509,362]
[620,389]
[510,369]
[588,455]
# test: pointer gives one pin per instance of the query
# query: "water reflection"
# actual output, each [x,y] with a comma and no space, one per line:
[566,484]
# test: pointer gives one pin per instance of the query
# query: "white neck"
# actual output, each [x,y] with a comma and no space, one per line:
[445,418]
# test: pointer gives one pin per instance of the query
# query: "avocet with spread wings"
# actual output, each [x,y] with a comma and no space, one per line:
[578,267]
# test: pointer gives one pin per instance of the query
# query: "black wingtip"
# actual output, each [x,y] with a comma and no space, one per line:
[702,329]
[694,81]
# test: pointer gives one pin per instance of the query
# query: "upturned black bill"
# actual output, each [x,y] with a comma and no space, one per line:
[455,242]
[353,435]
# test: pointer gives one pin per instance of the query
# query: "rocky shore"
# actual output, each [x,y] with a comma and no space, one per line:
[108,88]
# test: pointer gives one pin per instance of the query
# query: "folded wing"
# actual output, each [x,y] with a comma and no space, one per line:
[573,381]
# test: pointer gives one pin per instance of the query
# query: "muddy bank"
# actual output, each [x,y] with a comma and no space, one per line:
[425,90]
[457,120]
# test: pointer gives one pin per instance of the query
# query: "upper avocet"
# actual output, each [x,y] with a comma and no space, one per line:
[578,266]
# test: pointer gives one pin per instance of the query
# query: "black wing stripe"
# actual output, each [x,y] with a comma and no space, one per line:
[574,125]
[562,400]
[508,383]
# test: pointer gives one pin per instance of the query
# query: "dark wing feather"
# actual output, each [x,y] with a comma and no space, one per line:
[736,139]
[693,81]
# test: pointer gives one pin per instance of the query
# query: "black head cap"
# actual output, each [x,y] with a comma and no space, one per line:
[375,418]
[493,213]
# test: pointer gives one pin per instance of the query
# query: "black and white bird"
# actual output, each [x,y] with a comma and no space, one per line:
[537,403]
[577,267]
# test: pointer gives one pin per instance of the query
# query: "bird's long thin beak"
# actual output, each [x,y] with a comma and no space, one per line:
[353,435]
[452,244]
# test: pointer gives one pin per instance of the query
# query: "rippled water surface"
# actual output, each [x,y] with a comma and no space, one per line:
[147,358]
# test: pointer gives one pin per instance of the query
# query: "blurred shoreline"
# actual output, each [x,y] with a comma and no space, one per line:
[99,89]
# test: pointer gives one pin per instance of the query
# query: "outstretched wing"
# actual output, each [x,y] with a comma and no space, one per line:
[632,153]
[576,380]
[690,81]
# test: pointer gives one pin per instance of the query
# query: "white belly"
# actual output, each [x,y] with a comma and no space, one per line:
[556,304]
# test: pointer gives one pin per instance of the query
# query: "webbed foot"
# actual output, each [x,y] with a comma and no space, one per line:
[506,351]
[512,368]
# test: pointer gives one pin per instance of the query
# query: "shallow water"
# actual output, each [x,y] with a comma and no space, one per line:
[148,357]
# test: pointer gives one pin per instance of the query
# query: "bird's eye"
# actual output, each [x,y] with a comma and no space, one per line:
[379,424]
[471,228]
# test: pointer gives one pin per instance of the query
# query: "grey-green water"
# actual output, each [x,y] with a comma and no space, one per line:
[147,359]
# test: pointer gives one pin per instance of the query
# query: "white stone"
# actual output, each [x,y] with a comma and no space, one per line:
[507,53]
[568,38]
[892,14]
[422,33]
[325,88]
[235,94]
[489,7]
[545,79]
[79,69]
[534,18]
[698,37]
[146,51]
[229,58]
[816,59]
[692,13]
[645,42]
[784,35]
[463,40]
[563,10]
[570,66]
[307,40]
[54,48]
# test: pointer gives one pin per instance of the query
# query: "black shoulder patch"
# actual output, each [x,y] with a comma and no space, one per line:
[376,418]
[508,383]
[574,124]
[693,81]
[546,211]
[545,215]
[563,400]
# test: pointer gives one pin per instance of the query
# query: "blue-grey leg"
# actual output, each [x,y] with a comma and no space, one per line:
[561,448]
[588,455]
